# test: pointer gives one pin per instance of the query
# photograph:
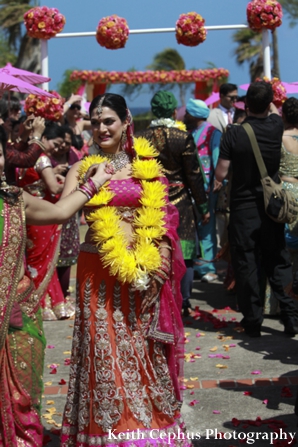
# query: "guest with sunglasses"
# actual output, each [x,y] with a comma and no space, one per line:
[73,119]
[223,115]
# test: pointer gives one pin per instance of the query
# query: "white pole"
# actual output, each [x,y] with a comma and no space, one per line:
[266,53]
[44,62]
[152,30]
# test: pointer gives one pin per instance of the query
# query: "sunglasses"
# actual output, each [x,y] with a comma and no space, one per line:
[75,107]
[233,98]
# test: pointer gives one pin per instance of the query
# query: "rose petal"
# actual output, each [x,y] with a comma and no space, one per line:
[62,382]
[192,393]
[53,371]
[193,379]
[193,403]
[213,349]
[256,372]
[265,401]
[50,346]
[233,345]
[216,412]
[247,393]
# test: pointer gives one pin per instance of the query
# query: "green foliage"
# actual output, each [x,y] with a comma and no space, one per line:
[67,87]
[291,8]
[168,59]
[11,19]
[6,55]
[249,49]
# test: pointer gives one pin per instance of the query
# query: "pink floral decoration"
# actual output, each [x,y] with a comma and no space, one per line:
[279,91]
[264,14]
[48,108]
[190,30]
[43,22]
[112,32]
[143,77]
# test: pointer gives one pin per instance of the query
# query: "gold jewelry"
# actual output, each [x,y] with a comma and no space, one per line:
[99,107]
[3,181]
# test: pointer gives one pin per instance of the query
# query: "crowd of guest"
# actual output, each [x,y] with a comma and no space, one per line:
[39,155]
[212,205]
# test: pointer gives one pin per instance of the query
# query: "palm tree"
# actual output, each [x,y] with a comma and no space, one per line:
[169,59]
[291,7]
[249,50]
[26,48]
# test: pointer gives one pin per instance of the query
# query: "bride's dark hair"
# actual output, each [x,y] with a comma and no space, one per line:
[8,193]
[113,101]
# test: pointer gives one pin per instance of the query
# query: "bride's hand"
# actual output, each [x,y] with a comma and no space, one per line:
[100,173]
[151,295]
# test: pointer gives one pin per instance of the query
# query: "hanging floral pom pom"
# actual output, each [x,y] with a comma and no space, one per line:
[190,30]
[279,90]
[43,22]
[264,14]
[112,32]
[48,108]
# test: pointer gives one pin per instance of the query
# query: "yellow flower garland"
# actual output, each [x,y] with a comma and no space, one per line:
[130,264]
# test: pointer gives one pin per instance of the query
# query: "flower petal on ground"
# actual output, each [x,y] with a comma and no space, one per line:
[193,403]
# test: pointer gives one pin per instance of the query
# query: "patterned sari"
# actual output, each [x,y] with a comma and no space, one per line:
[22,347]
[125,365]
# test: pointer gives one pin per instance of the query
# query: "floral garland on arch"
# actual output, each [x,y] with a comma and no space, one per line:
[42,22]
[143,77]
[168,122]
[112,32]
[264,14]
[132,264]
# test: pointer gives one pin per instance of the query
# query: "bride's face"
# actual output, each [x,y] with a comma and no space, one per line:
[107,129]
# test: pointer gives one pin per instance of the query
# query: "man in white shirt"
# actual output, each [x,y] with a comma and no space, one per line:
[223,115]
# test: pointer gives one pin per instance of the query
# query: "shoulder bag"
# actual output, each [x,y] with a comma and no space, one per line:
[280,204]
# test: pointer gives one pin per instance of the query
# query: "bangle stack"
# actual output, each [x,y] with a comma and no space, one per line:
[163,273]
[88,188]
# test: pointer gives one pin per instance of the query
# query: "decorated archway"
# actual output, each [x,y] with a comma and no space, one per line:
[204,80]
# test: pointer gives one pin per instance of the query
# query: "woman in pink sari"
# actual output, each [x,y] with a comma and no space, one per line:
[22,340]
[42,250]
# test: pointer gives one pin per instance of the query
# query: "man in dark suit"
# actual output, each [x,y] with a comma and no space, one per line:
[177,154]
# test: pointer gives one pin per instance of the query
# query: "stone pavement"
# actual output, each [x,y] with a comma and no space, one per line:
[234,384]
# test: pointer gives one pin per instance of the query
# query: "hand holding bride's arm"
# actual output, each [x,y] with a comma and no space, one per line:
[41,212]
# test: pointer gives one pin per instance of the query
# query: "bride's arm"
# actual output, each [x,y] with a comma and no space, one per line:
[41,212]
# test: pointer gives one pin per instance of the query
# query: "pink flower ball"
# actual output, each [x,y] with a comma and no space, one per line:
[54,22]
[112,32]
[264,14]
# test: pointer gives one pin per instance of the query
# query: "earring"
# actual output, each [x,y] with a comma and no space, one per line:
[3,181]
[123,138]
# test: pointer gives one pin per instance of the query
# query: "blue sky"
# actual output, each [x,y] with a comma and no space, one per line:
[85,54]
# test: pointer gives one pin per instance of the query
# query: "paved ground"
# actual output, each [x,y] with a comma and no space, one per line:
[235,386]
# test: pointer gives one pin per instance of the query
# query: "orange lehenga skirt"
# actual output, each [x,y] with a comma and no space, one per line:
[119,380]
